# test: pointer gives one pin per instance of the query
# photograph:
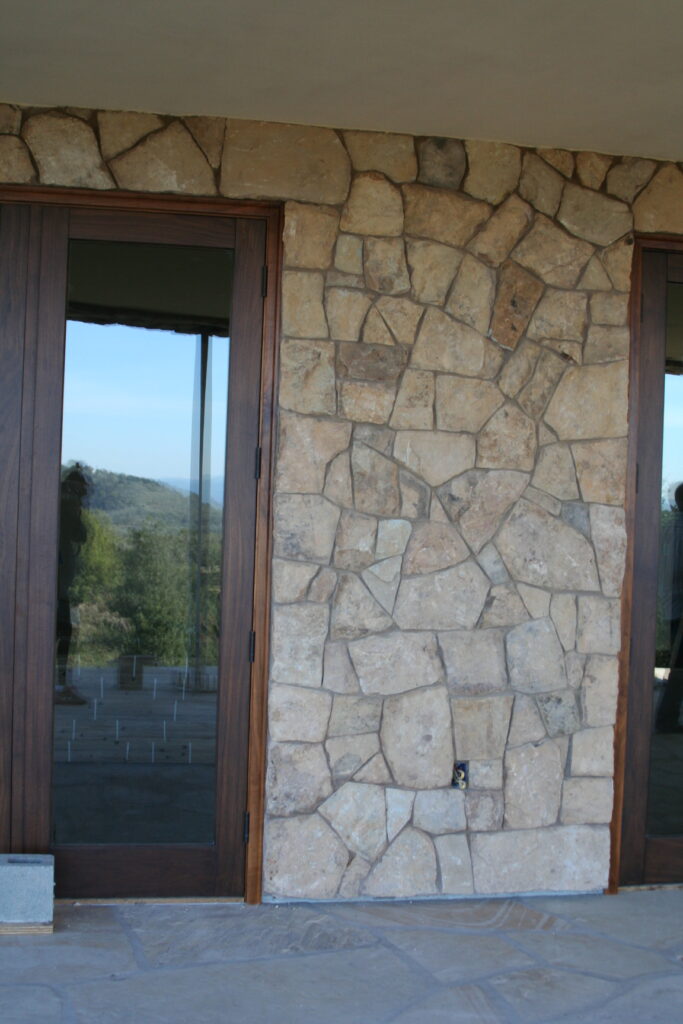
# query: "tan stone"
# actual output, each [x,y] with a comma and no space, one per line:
[338,673]
[478,500]
[374,207]
[609,308]
[517,296]
[494,243]
[593,216]
[392,537]
[309,235]
[354,546]
[305,525]
[555,472]
[303,315]
[439,811]
[563,614]
[519,368]
[366,401]
[375,771]
[449,599]
[306,446]
[536,394]
[434,456]
[660,206]
[486,774]
[323,585]
[416,738]
[594,277]
[608,531]
[590,402]
[445,344]
[617,260]
[455,865]
[592,168]
[593,752]
[396,662]
[10,119]
[338,486]
[471,298]
[533,785]
[358,814]
[559,314]
[492,564]
[560,159]
[552,254]
[442,162]
[629,176]
[298,778]
[167,161]
[432,269]
[348,254]
[414,407]
[601,469]
[605,344]
[481,726]
[65,151]
[298,713]
[586,802]
[399,810]
[415,496]
[375,330]
[494,169]
[382,580]
[348,754]
[600,690]
[535,659]
[354,876]
[546,501]
[560,712]
[298,637]
[346,309]
[119,130]
[537,601]
[209,134]
[526,725]
[465,404]
[598,625]
[401,317]
[540,185]
[442,216]
[15,161]
[433,546]
[304,858]
[508,441]
[352,715]
[475,661]
[408,868]
[393,155]
[355,612]
[570,858]
[291,580]
[385,265]
[263,160]
[375,482]
[307,380]
[543,551]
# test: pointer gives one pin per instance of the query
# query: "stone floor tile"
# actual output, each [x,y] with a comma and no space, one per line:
[201,933]
[649,918]
[594,954]
[464,1005]
[29,1004]
[656,1001]
[347,987]
[454,958]
[542,994]
[478,914]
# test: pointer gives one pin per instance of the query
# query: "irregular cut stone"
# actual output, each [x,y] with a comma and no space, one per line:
[291,579]
[537,601]
[297,713]
[309,235]
[484,811]
[305,525]
[593,752]
[399,810]
[433,546]
[381,439]
[555,472]
[478,500]
[576,515]
[508,441]
[391,154]
[609,308]
[348,754]
[10,119]
[358,814]
[338,673]
[600,690]
[560,314]
[492,564]
[442,162]
[433,455]
[486,774]
[263,160]
[375,330]
[571,858]
[306,446]
[119,130]
[167,161]
[618,260]
[660,206]
[432,269]
[370,362]
[475,661]
[471,299]
[338,487]
[366,401]
[352,715]
[464,403]
[560,712]
[303,315]
[543,551]
[385,265]
[355,612]
[375,772]
[304,858]
[494,243]
[354,545]
[401,317]
[535,395]
[517,296]
[494,169]
[209,134]
[416,738]
[15,161]
[593,216]
[415,496]
[559,158]
[563,614]
[445,344]
[354,876]
[592,168]
[298,778]
[552,254]
[298,637]
[599,630]
[526,725]
[396,662]
[440,810]
[481,726]
[608,530]
[519,368]
[307,381]
[590,402]
[601,469]
[375,482]
[346,310]
[450,599]
[535,658]
[382,580]
[348,254]
[455,865]
[540,185]
[533,785]
[605,344]
[595,276]
[392,537]
[374,207]
[629,176]
[414,408]
[65,151]
[587,802]
[408,868]
[443,216]
[323,585]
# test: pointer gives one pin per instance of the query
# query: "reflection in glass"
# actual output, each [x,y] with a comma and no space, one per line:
[140,549]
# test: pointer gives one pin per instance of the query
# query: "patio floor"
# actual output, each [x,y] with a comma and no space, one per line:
[588,959]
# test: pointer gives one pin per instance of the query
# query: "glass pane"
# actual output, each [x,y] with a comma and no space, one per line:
[665,807]
[140,549]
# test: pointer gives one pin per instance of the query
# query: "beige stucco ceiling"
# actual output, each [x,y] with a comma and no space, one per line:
[582,74]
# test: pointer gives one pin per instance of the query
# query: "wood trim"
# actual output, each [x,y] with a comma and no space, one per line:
[155,228]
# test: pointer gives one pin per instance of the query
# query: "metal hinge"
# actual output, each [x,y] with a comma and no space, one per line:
[264,281]
[257,463]
[245,828]
[252,645]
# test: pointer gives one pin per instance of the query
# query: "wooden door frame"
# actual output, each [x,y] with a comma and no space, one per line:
[632,857]
[271,215]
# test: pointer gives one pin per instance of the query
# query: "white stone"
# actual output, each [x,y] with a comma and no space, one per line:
[560,712]
[439,811]
[305,526]
[298,778]
[464,403]
[599,630]
[481,726]
[408,868]
[355,612]
[593,752]
[399,810]
[299,632]
[304,858]
[296,713]
[416,738]
[587,802]
[66,152]
[396,662]
[309,235]
[600,690]
[306,447]
[432,269]
[303,315]
[352,715]
[474,660]
[374,207]
[533,785]
[472,295]
[541,550]
[571,858]
[307,381]
[608,530]
[455,865]
[535,658]
[391,154]
[450,599]
[448,345]
[478,500]
[494,169]
[348,754]
[434,455]
[376,771]
[526,725]
[392,537]
[357,813]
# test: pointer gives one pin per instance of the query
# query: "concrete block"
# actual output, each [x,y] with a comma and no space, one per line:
[26,892]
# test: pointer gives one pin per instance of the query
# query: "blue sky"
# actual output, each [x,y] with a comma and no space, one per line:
[128,398]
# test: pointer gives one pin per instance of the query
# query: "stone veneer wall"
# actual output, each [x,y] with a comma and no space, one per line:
[449,525]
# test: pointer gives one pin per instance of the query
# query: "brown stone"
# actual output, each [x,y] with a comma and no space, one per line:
[660,206]
[307,379]
[471,298]
[414,407]
[432,269]
[592,168]
[617,260]
[348,254]
[433,546]
[555,472]
[15,161]
[595,277]
[385,265]
[560,314]
[66,152]
[464,403]
[508,441]
[593,216]
[561,159]
[209,134]
[303,315]
[401,317]
[366,401]
[375,330]
[609,308]
[442,162]
[309,235]
[374,207]
[535,395]
[119,130]
[445,344]
[517,297]
[10,119]
[540,185]
[494,243]
[519,368]
[442,216]
[375,482]
[370,362]
[478,500]
[167,161]
[627,178]
[354,545]
[552,254]
[393,155]
[346,310]
[494,169]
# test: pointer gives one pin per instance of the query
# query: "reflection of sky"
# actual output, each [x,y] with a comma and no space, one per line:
[128,400]
[672,460]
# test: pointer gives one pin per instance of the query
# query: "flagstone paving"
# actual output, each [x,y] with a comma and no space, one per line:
[536,960]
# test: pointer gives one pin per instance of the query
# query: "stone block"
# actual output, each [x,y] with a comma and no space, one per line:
[366,401]
[433,546]
[609,308]
[375,482]
[604,344]
[448,345]
[352,715]
[450,599]
[26,891]
[439,811]
[392,537]
[354,546]
[303,315]
[471,298]
[540,185]
[659,207]
[535,657]
[382,580]
[307,379]
[355,612]
[396,662]
[586,802]
[495,241]
[494,169]
[306,446]
[291,580]
[120,130]
[348,254]
[556,257]
[408,868]
[560,314]
[65,151]
[414,406]
[600,690]
[455,865]
[508,441]
[298,714]
[304,858]
[560,159]
[434,456]
[478,500]
[305,526]
[563,614]
[599,628]
[442,162]
[299,632]
[442,216]
[357,813]
[338,673]
[543,551]
[571,858]
[388,153]
[474,660]
[484,810]
[560,712]
[432,269]
[516,298]
[348,754]
[608,530]
[417,739]
[15,161]
[401,317]
[167,161]
[601,470]
[298,778]
[374,207]
[464,403]
[385,265]
[526,725]
[592,168]
[481,726]
[593,752]
[626,179]
[593,216]
[209,134]
[309,235]
[533,785]
[399,810]
[555,472]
